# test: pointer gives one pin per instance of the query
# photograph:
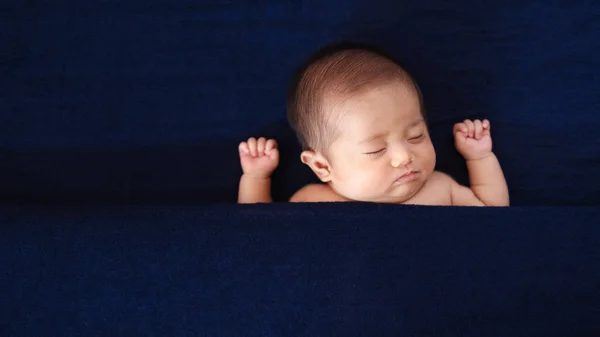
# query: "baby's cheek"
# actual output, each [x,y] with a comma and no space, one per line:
[353,177]
[426,155]
[429,163]
[357,179]
[371,179]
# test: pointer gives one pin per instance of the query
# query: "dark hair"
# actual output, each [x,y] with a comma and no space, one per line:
[343,68]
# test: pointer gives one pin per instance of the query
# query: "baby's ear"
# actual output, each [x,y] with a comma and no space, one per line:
[318,164]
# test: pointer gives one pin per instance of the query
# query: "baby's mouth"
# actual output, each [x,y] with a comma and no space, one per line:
[407,177]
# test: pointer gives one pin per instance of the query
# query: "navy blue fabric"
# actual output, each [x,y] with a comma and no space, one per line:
[359,270]
[145,101]
[125,102]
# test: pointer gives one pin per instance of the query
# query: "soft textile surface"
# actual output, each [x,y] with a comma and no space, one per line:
[300,270]
[145,101]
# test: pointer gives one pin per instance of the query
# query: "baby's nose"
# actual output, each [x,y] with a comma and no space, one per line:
[401,157]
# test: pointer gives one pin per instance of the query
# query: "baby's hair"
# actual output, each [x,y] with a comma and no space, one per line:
[340,69]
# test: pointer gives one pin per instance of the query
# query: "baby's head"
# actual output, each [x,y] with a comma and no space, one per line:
[359,118]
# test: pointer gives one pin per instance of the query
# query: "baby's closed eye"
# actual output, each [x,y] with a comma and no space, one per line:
[376,152]
[417,138]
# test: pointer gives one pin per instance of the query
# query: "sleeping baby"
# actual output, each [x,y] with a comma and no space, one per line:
[359,118]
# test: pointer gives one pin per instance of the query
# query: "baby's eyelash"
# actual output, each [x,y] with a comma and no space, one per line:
[417,137]
[375,153]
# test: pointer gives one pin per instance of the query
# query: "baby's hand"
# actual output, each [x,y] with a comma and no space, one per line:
[472,139]
[259,158]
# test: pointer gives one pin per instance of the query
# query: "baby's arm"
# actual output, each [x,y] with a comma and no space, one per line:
[487,181]
[474,142]
[254,190]
[258,158]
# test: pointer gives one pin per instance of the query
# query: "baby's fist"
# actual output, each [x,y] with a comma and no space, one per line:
[473,139]
[259,157]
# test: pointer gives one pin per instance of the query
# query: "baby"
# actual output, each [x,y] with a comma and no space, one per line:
[359,118]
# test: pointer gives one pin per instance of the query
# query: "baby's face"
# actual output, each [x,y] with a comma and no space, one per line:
[383,152]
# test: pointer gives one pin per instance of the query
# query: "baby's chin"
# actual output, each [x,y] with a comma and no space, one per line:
[395,193]
[384,198]
[396,199]
[392,195]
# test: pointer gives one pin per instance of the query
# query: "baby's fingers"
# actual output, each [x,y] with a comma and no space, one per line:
[243,148]
[260,145]
[252,146]
[271,149]
[273,154]
[460,127]
[270,145]
[470,127]
[478,129]
[486,124]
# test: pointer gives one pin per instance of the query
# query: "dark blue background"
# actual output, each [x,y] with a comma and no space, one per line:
[146,101]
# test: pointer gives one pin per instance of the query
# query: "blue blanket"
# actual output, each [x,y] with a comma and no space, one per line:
[109,104]
[300,270]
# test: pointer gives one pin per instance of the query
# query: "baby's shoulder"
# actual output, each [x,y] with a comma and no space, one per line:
[441,181]
[440,178]
[316,193]
[436,191]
